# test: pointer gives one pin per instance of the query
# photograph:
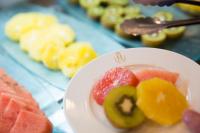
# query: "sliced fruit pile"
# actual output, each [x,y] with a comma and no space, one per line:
[47,41]
[111,13]
[19,112]
[128,98]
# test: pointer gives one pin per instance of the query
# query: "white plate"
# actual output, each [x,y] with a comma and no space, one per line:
[86,117]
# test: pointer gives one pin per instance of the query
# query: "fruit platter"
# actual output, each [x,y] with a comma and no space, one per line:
[63,72]
[46,67]
[97,13]
[32,85]
[138,90]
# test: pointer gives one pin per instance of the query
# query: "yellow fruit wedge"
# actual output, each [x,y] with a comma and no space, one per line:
[193,9]
[63,32]
[72,58]
[161,101]
[28,39]
[50,56]
[36,41]
[25,22]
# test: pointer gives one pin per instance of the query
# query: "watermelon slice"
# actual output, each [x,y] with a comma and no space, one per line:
[3,103]
[5,88]
[20,90]
[152,73]
[19,112]
[18,98]
[11,112]
[28,122]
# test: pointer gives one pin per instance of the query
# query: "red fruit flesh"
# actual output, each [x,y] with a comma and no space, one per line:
[152,73]
[28,122]
[112,78]
[11,85]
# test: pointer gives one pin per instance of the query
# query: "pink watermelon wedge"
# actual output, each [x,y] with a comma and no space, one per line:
[19,112]
[11,112]
[28,122]
[14,86]
[18,98]
[5,88]
[152,73]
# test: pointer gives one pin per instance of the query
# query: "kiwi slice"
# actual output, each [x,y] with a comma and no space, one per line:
[114,10]
[95,12]
[120,108]
[164,16]
[109,21]
[175,32]
[89,3]
[154,39]
[118,2]
[132,10]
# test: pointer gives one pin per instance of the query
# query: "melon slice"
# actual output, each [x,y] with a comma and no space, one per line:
[3,103]
[13,85]
[155,73]
[28,122]
[18,98]
[5,88]
[11,111]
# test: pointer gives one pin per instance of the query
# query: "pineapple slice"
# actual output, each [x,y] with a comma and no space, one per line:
[74,57]
[25,22]
[36,41]
[50,56]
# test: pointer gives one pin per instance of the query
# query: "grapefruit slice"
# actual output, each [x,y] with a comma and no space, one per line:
[112,78]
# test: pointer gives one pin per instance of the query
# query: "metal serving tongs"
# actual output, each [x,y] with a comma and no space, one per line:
[167,2]
[151,25]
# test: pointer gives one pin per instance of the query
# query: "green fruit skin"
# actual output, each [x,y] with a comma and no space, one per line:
[111,16]
[95,12]
[153,41]
[114,116]
[175,33]
[109,21]
[118,2]
[132,10]
[114,10]
[89,3]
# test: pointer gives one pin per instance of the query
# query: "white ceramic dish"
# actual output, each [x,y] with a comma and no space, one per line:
[86,117]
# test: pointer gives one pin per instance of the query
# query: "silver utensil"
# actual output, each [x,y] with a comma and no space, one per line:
[151,25]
